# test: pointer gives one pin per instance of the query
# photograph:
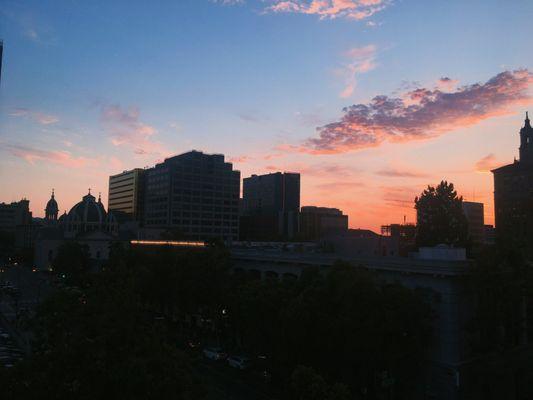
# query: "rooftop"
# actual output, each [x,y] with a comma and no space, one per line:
[396,264]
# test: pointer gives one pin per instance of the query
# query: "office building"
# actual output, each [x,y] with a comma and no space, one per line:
[490,234]
[271,204]
[193,195]
[513,195]
[318,222]
[404,233]
[14,214]
[126,193]
[475,216]
[271,193]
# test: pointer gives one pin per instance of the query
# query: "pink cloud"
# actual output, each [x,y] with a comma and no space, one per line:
[335,187]
[399,196]
[487,163]
[228,2]
[125,129]
[430,113]
[239,159]
[36,116]
[330,9]
[362,59]
[317,170]
[58,157]
[447,84]
[400,173]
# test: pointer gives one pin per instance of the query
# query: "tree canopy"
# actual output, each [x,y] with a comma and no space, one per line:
[440,217]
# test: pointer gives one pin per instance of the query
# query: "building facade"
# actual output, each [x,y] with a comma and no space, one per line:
[513,195]
[194,195]
[87,223]
[318,222]
[270,206]
[475,216]
[14,214]
[405,234]
[126,193]
[451,369]
[271,193]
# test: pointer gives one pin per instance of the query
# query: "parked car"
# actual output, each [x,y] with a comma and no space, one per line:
[239,362]
[214,353]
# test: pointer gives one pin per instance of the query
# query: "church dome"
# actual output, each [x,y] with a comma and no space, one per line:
[52,204]
[88,211]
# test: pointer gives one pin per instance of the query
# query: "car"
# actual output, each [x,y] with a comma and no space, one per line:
[239,362]
[214,353]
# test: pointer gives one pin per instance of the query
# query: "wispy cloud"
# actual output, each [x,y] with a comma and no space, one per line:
[362,59]
[37,116]
[324,9]
[228,2]
[318,170]
[33,26]
[239,159]
[58,157]
[335,187]
[399,196]
[125,129]
[487,163]
[447,84]
[330,9]
[428,113]
[392,172]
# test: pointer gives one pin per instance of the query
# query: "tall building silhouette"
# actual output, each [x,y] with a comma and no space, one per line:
[195,195]
[271,204]
[513,195]
[271,193]
[475,215]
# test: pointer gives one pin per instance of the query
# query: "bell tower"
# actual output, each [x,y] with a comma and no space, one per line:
[51,209]
[526,142]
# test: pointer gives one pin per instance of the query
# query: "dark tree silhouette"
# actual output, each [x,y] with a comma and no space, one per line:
[72,261]
[440,217]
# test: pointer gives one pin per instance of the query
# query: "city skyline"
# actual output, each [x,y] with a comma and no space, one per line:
[265,84]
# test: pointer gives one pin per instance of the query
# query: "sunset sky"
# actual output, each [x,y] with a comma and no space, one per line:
[370,100]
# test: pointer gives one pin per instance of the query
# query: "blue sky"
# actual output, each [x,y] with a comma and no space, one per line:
[91,85]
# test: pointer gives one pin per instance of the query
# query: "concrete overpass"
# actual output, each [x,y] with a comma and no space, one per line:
[447,291]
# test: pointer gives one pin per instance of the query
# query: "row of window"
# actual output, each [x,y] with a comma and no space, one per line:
[204,219]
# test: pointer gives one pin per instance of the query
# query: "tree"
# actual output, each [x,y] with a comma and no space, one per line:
[100,342]
[306,384]
[440,217]
[72,261]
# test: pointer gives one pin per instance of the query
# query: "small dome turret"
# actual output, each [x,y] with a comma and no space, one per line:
[52,209]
